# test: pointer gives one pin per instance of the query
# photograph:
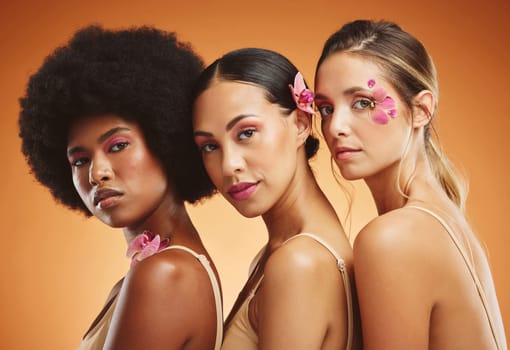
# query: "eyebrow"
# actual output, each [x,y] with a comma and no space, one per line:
[349,91]
[100,139]
[229,126]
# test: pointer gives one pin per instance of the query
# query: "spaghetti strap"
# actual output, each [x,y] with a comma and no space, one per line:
[470,267]
[345,276]
[216,290]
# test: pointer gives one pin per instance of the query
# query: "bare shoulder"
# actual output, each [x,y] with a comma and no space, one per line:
[301,289]
[402,230]
[401,241]
[165,273]
[167,297]
[300,261]
[300,253]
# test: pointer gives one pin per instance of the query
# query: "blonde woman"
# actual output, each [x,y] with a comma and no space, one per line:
[422,278]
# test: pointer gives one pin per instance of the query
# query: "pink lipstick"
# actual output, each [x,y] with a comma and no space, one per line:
[242,190]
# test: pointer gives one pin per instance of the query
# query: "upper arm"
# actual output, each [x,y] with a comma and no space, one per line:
[158,305]
[394,272]
[293,303]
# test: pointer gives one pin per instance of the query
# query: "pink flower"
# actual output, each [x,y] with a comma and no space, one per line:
[302,96]
[144,245]
[383,104]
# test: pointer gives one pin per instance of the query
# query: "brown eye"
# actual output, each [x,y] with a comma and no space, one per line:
[246,134]
[325,110]
[78,162]
[118,146]
[208,147]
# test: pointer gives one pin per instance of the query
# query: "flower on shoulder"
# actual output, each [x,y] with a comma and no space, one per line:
[302,96]
[144,245]
[383,105]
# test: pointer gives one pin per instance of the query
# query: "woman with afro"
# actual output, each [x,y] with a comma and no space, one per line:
[105,125]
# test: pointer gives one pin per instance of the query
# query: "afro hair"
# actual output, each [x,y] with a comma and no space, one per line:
[143,75]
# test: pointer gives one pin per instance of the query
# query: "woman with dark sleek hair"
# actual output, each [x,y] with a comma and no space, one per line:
[252,120]
[422,277]
[105,125]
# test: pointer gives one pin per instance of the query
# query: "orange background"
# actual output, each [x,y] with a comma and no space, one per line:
[58,267]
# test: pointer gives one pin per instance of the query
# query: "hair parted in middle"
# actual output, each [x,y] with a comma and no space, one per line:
[143,75]
[267,69]
[410,69]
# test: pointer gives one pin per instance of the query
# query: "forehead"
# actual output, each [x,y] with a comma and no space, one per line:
[346,69]
[227,99]
[90,128]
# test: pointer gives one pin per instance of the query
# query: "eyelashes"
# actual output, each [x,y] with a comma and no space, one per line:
[243,135]
[81,158]
[359,104]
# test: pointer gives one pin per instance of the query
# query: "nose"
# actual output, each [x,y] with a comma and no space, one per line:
[100,170]
[339,124]
[233,161]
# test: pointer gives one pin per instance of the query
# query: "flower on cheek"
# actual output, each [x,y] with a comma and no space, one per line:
[144,245]
[302,96]
[383,105]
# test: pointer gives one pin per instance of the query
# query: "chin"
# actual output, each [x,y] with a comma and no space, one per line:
[114,221]
[350,175]
[248,211]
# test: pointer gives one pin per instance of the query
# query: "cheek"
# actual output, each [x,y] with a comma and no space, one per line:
[325,124]
[80,182]
[212,166]
[82,186]
[143,169]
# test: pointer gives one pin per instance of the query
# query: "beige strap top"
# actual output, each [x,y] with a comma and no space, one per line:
[240,334]
[470,267]
[95,339]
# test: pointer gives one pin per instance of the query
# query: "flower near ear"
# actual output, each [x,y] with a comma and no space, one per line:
[383,105]
[302,96]
[144,245]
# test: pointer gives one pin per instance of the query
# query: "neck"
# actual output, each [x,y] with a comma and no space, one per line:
[302,205]
[169,220]
[394,186]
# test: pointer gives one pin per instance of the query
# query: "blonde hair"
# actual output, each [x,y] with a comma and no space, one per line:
[410,70]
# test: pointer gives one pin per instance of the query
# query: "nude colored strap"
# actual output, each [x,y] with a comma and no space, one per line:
[216,289]
[345,276]
[470,267]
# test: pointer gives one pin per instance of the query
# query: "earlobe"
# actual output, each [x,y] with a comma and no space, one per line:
[304,125]
[423,110]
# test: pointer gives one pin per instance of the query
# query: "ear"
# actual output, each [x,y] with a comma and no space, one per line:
[303,122]
[423,108]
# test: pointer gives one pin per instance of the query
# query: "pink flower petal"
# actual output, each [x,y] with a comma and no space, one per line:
[392,113]
[164,243]
[136,245]
[295,95]
[371,83]
[379,94]
[299,83]
[380,116]
[307,109]
[301,95]
[150,235]
[306,96]
[150,249]
[388,102]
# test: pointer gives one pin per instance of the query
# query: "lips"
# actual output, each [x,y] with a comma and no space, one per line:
[343,153]
[242,190]
[106,197]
